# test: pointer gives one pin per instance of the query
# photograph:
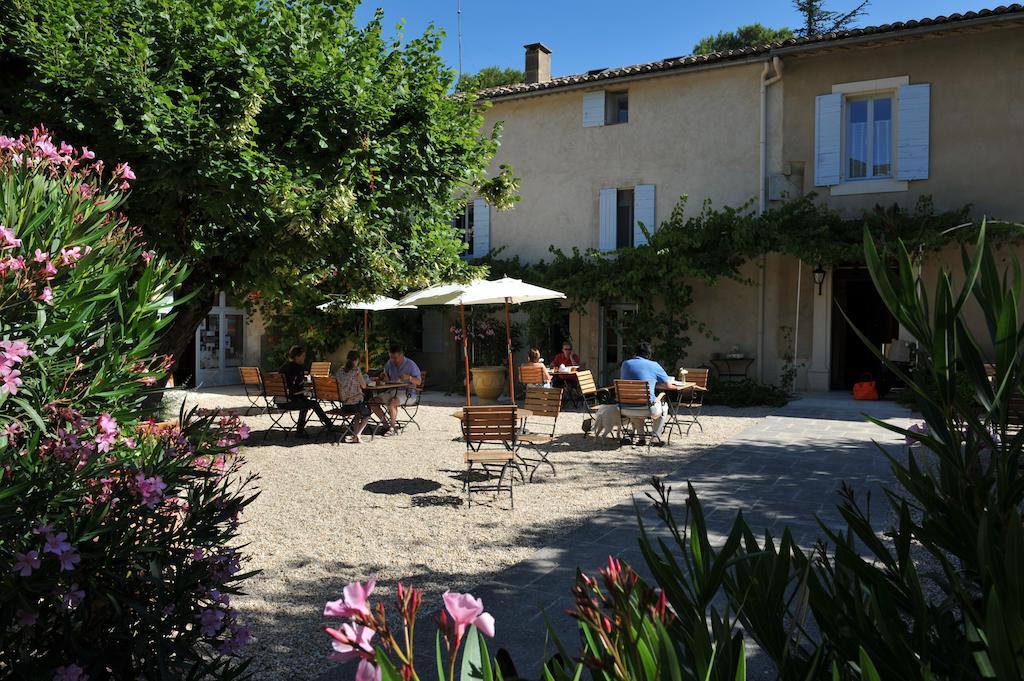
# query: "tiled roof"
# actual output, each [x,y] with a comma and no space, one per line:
[674,63]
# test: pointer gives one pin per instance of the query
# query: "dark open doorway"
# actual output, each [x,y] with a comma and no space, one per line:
[854,293]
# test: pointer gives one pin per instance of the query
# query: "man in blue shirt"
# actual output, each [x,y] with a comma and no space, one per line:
[400,369]
[642,368]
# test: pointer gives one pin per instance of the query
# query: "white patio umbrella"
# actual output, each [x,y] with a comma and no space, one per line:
[375,305]
[482,292]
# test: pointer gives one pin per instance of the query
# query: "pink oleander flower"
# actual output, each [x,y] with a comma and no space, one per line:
[355,601]
[148,256]
[40,256]
[9,380]
[107,424]
[123,170]
[87,154]
[350,641]
[69,559]
[7,240]
[151,489]
[25,563]
[47,295]
[48,270]
[72,672]
[466,610]
[243,432]
[16,350]
[211,621]
[367,671]
[57,543]
[7,142]
[920,429]
[16,264]
[69,256]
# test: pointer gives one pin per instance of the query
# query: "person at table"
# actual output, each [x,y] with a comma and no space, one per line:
[534,361]
[398,369]
[642,368]
[351,385]
[294,372]
[566,357]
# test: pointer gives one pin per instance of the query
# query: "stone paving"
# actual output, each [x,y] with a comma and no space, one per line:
[783,472]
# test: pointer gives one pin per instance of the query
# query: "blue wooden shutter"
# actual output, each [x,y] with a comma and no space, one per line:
[828,125]
[643,212]
[481,228]
[593,109]
[606,236]
[912,133]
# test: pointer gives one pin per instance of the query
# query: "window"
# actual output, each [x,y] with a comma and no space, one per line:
[463,222]
[616,108]
[869,137]
[624,218]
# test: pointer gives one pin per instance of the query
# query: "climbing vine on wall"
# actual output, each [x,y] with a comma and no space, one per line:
[715,243]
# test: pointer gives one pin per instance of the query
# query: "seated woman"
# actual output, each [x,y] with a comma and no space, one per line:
[535,362]
[351,385]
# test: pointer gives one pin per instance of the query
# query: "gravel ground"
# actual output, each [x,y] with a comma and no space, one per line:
[332,513]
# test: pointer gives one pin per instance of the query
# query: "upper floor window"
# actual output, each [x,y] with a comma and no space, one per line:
[869,137]
[872,136]
[604,107]
[463,223]
[616,107]
[624,218]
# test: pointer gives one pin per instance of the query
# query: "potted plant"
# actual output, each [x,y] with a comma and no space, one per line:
[489,356]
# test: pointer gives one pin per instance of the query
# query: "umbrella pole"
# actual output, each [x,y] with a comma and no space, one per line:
[508,341]
[366,339]
[465,350]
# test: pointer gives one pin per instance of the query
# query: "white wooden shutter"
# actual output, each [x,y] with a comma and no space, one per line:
[593,109]
[828,125]
[606,237]
[912,133]
[643,211]
[481,228]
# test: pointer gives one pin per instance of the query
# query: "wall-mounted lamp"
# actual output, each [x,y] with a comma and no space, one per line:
[819,277]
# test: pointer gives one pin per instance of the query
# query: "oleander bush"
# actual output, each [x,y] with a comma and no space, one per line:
[745,393]
[117,551]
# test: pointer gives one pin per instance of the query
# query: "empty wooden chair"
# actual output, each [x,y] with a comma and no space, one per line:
[319,369]
[495,428]
[686,405]
[252,381]
[635,404]
[275,391]
[546,404]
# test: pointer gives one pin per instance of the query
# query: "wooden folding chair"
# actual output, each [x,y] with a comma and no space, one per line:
[252,381]
[588,393]
[275,391]
[410,406]
[545,403]
[327,390]
[319,369]
[635,403]
[685,408]
[490,427]
[531,376]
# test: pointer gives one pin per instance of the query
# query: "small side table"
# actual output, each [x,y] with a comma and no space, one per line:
[732,369]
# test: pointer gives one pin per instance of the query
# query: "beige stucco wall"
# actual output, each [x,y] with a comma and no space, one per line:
[674,139]
[977,116]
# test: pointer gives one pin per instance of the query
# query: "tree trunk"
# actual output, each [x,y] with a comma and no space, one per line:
[182,330]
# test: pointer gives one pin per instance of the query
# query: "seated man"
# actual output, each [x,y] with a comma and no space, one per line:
[294,372]
[566,357]
[398,369]
[642,368]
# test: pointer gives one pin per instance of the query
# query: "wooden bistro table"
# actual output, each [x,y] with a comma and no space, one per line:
[571,384]
[371,391]
[675,391]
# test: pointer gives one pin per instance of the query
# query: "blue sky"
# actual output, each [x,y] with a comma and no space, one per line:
[592,34]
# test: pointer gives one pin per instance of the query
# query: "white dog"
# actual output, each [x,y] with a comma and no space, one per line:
[606,420]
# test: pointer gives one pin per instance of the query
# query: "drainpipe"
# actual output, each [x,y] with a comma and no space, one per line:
[762,202]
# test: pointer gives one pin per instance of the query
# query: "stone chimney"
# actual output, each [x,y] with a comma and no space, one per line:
[538,63]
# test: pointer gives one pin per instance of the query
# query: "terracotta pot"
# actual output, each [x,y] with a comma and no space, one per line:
[488,383]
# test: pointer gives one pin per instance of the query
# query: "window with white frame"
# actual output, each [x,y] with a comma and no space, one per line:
[872,136]
[463,224]
[473,222]
[869,128]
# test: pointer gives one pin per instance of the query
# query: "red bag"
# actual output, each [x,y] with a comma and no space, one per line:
[865,389]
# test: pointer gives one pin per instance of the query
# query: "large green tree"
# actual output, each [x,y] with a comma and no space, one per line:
[489,76]
[750,35]
[278,145]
